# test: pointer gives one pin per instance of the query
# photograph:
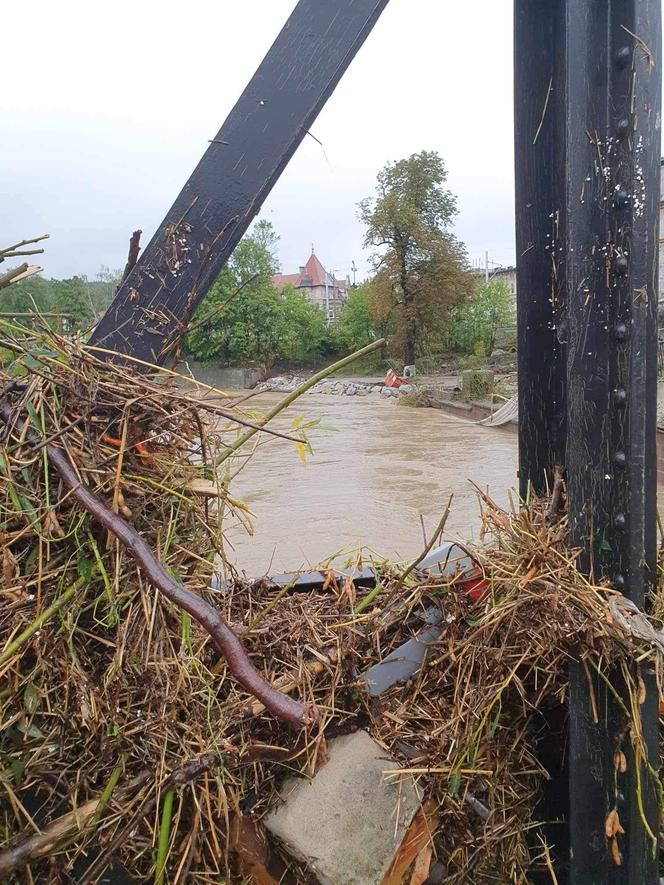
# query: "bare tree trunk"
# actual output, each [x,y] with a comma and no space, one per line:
[410,331]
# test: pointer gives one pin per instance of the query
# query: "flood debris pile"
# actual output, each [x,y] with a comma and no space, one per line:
[109,491]
[129,741]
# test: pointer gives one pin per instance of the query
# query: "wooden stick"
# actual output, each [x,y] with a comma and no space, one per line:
[132,257]
[48,842]
[61,832]
[7,278]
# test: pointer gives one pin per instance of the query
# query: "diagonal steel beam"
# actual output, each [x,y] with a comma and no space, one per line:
[588,103]
[235,175]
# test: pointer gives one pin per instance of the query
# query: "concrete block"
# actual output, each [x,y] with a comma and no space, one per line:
[348,822]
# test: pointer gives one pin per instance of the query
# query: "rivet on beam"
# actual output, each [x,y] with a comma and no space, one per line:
[623,56]
[620,459]
[620,522]
[621,265]
[620,331]
[620,397]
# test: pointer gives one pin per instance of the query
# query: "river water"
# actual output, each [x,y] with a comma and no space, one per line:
[368,483]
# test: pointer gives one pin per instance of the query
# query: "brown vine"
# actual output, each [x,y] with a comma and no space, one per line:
[225,641]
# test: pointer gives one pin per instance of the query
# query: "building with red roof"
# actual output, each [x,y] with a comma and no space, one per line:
[322,288]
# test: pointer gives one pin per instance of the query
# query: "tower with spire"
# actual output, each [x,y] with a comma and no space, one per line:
[321,287]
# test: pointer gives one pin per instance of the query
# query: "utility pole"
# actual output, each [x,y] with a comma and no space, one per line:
[486,266]
[353,267]
[333,275]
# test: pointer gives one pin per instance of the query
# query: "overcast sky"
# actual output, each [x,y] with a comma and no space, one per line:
[110,106]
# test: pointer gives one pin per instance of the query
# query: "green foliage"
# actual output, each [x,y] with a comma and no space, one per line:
[302,327]
[6,357]
[35,293]
[79,297]
[471,361]
[420,265]
[72,298]
[237,321]
[356,325]
[256,323]
[477,320]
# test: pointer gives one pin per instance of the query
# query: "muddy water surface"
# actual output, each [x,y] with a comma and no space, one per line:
[367,483]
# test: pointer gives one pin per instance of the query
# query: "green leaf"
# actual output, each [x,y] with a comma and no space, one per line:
[84,566]
[454,784]
[17,768]
[32,732]
[30,698]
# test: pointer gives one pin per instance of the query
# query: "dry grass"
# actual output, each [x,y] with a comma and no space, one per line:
[117,706]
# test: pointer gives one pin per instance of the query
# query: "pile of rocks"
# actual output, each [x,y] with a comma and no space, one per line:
[345,388]
[333,387]
[281,383]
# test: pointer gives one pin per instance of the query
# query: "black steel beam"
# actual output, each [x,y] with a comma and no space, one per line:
[540,173]
[235,175]
[588,83]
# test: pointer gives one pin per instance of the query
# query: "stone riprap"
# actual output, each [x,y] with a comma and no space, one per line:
[333,387]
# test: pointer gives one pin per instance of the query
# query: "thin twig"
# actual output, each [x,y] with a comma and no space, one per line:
[23,243]
[220,307]
[291,397]
[546,104]
[224,639]
[437,533]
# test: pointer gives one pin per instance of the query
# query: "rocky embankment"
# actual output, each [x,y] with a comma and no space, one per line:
[334,387]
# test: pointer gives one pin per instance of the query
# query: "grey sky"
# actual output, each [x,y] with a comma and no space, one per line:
[112,105]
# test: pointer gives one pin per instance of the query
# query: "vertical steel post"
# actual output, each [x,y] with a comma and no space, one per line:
[588,83]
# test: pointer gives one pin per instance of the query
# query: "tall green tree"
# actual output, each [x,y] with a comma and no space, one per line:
[357,324]
[420,266]
[35,293]
[241,326]
[302,327]
[477,320]
[71,297]
[78,297]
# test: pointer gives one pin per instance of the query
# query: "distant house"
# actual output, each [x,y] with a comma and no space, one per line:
[506,274]
[322,289]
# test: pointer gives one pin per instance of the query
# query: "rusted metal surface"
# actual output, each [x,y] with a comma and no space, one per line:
[588,81]
[235,175]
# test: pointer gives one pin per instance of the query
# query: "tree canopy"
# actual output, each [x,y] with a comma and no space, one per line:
[244,319]
[78,297]
[477,320]
[420,265]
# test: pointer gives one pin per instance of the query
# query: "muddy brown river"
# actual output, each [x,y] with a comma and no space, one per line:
[369,483]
